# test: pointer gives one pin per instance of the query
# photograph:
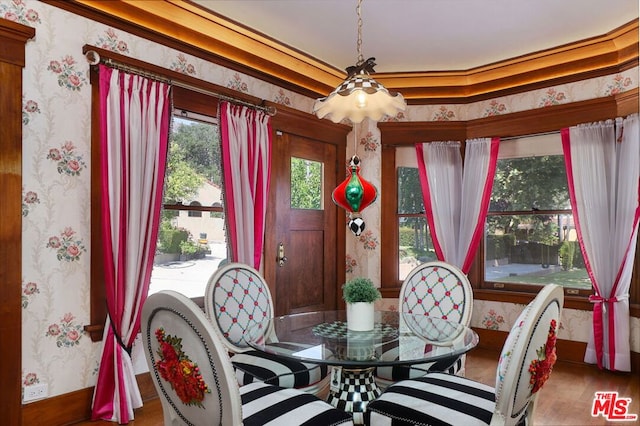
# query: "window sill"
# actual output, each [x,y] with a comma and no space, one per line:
[570,302]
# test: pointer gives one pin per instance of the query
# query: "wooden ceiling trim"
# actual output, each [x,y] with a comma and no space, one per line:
[613,51]
[220,37]
[194,30]
[540,120]
[409,133]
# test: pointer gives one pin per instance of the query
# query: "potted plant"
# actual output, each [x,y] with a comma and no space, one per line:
[360,294]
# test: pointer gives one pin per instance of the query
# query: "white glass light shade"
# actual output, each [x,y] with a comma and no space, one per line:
[359,96]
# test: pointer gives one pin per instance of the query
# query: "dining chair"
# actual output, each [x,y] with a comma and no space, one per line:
[525,363]
[195,380]
[236,298]
[438,290]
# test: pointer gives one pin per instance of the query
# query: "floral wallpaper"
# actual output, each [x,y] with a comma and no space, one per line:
[56,118]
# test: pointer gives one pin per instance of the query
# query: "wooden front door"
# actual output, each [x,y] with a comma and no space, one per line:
[304,220]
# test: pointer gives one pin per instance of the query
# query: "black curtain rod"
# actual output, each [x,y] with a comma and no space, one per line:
[94,58]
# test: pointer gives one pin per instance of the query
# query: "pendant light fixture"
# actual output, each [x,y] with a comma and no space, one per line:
[359,96]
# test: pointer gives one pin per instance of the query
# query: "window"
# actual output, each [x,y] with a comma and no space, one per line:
[190,245]
[306,184]
[414,239]
[194,213]
[530,235]
[515,288]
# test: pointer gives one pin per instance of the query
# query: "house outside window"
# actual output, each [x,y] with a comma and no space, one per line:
[191,244]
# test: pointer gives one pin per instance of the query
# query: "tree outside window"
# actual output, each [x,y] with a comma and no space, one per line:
[530,234]
[190,244]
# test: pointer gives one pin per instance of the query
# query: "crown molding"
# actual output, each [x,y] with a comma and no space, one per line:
[195,30]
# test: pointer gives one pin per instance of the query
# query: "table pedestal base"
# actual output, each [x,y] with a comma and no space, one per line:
[356,389]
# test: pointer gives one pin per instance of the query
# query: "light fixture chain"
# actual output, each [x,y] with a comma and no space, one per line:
[359,96]
[359,43]
[355,139]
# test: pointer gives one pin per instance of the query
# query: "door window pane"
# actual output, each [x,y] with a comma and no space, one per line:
[306,184]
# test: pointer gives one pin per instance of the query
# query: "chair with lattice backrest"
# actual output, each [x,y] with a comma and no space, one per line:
[195,380]
[437,290]
[525,363]
[237,297]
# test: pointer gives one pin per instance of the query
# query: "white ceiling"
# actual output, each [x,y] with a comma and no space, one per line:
[426,35]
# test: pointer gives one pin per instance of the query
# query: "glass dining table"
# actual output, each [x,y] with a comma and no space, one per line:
[396,339]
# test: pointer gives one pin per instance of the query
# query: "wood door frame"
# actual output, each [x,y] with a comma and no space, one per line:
[295,122]
[14,38]
[304,231]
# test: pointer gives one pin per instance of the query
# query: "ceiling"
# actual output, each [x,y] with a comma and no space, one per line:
[426,35]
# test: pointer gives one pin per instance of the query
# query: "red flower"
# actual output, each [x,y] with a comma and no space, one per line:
[175,367]
[541,368]
[168,352]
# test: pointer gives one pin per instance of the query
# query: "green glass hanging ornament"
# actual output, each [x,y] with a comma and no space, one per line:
[354,194]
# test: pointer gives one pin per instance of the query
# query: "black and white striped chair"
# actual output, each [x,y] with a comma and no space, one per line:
[437,290]
[237,297]
[195,379]
[525,363]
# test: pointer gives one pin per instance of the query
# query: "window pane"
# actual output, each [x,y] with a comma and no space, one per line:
[409,192]
[414,244]
[529,184]
[195,213]
[534,249]
[306,184]
[191,244]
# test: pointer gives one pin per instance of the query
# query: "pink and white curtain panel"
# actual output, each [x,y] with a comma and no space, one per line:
[134,133]
[603,172]
[455,208]
[246,161]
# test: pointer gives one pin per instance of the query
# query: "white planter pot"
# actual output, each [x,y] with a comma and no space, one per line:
[360,316]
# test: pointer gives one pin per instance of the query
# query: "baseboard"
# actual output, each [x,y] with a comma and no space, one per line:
[567,350]
[74,406]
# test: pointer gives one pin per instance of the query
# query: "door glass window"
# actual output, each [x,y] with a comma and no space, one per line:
[306,184]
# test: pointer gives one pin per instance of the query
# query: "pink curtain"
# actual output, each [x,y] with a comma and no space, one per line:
[246,163]
[603,173]
[134,133]
[455,207]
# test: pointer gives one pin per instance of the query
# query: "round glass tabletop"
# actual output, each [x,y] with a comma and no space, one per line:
[397,338]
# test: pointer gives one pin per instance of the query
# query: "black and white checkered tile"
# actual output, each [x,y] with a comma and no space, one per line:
[357,388]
